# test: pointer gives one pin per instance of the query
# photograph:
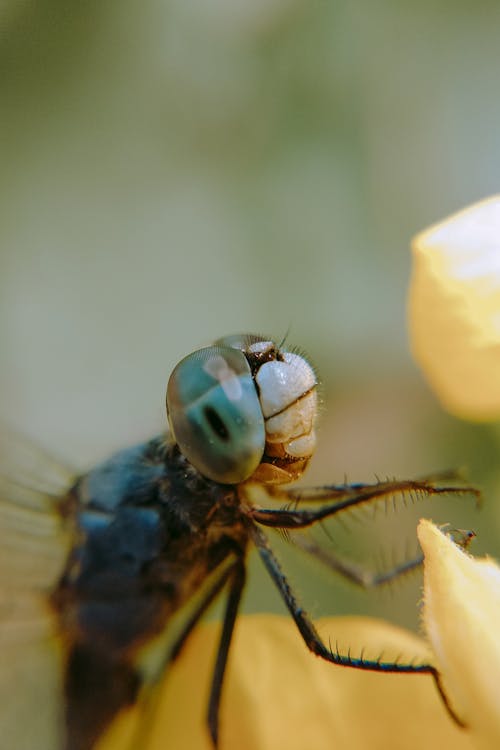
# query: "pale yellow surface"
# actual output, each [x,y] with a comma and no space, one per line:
[279,696]
[454,309]
[462,619]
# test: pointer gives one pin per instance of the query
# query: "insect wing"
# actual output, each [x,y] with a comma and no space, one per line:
[34,544]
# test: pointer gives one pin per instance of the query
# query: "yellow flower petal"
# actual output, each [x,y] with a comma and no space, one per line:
[278,696]
[462,619]
[454,309]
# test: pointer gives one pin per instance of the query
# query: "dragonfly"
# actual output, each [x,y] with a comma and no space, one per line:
[97,567]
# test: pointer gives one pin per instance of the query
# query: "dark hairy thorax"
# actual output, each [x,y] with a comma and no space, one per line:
[149,530]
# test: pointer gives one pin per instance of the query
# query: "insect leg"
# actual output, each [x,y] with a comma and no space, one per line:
[368,578]
[446,482]
[315,643]
[356,573]
[344,497]
[200,610]
[152,693]
[232,606]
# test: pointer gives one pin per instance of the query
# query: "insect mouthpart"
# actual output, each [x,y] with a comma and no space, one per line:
[288,397]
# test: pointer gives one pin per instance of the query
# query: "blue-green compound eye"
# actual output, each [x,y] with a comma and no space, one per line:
[215,414]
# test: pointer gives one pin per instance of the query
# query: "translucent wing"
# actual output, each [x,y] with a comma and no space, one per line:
[34,544]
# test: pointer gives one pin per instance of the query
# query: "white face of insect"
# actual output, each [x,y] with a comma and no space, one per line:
[288,398]
[287,388]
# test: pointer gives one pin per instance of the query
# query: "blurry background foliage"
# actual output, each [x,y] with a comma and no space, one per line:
[175,171]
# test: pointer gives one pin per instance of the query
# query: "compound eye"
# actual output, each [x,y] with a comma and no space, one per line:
[215,414]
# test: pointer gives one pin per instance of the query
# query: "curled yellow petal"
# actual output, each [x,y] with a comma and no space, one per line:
[454,309]
[462,620]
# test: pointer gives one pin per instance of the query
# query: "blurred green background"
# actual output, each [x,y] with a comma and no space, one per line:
[172,172]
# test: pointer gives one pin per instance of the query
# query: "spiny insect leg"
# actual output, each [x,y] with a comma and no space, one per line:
[357,574]
[344,497]
[315,643]
[233,602]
